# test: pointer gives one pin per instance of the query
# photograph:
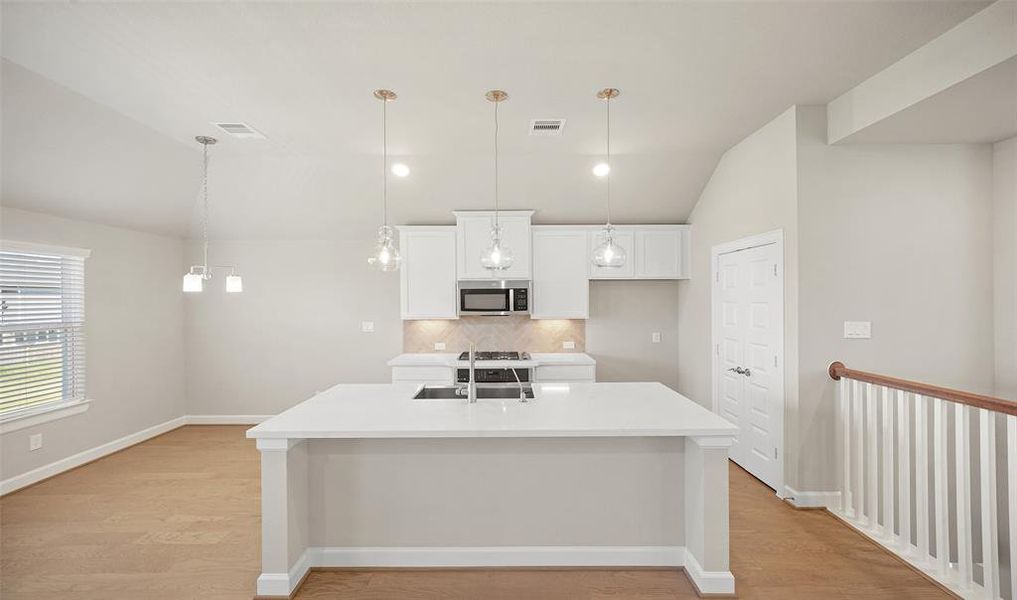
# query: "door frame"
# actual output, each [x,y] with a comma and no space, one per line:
[775,237]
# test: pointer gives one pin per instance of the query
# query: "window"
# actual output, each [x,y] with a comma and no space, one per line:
[42,328]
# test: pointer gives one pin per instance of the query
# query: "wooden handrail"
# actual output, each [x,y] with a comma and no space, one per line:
[1007,407]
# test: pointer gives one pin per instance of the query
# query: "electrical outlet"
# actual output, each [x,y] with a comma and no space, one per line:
[857,329]
[568,345]
[439,345]
[367,326]
[655,337]
[35,441]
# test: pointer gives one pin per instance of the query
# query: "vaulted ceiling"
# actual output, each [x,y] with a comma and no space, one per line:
[101,102]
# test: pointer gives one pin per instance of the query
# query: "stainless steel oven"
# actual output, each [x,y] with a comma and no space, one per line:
[495,297]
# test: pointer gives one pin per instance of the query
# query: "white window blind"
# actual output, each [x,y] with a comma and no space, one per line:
[42,329]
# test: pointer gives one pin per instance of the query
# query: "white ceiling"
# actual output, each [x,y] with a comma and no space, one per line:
[101,103]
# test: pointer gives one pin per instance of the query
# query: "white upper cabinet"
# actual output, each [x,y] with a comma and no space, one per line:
[474,235]
[625,238]
[653,251]
[561,285]
[661,252]
[428,274]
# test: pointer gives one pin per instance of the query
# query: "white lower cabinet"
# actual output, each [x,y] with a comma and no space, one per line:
[427,276]
[561,284]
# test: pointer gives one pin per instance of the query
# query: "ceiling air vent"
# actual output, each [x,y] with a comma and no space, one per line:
[547,127]
[240,130]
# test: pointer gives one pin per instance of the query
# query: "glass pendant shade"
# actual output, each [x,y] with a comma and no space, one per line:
[609,254]
[386,255]
[234,284]
[497,256]
[192,282]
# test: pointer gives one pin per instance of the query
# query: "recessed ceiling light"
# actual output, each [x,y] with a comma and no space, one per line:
[400,170]
[602,169]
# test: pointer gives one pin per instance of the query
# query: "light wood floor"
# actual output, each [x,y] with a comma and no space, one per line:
[177,517]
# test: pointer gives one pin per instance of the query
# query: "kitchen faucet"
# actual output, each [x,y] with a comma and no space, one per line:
[522,392]
[471,386]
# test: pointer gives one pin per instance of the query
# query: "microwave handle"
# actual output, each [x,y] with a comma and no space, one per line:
[512,299]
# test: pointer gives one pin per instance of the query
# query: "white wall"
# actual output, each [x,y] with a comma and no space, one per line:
[623,317]
[134,337]
[753,190]
[1004,236]
[896,235]
[889,233]
[293,331]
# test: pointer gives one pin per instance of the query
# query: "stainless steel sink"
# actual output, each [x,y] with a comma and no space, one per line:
[484,392]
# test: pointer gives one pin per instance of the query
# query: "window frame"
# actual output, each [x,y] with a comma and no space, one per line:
[36,415]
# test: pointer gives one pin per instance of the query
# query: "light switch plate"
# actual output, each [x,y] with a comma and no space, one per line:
[439,345]
[857,329]
[655,337]
[568,345]
[367,326]
[35,441]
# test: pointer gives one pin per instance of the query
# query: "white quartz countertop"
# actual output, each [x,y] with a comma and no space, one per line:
[447,359]
[558,410]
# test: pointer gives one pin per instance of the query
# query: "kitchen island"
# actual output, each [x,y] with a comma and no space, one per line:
[584,474]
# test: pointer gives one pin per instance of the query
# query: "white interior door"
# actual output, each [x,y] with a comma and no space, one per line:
[748,327]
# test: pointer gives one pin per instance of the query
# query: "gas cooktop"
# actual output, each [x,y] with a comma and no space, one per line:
[496,356]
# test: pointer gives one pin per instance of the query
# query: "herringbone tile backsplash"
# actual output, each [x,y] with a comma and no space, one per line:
[517,333]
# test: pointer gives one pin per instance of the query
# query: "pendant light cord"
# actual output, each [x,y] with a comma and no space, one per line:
[204,191]
[384,162]
[610,167]
[496,164]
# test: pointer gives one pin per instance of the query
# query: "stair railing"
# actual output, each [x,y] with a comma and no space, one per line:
[907,453]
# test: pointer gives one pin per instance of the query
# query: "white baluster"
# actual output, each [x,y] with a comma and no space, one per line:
[941,486]
[922,477]
[872,464]
[1011,465]
[962,434]
[888,518]
[904,470]
[990,540]
[844,395]
[858,430]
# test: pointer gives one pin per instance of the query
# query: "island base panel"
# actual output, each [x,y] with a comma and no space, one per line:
[491,502]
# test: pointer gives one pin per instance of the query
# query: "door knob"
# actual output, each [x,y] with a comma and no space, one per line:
[741,371]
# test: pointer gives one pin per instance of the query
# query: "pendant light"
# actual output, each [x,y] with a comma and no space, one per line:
[608,254]
[196,277]
[386,255]
[497,256]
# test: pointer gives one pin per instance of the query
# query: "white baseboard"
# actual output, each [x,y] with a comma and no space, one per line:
[712,583]
[282,584]
[812,499]
[495,556]
[65,464]
[226,419]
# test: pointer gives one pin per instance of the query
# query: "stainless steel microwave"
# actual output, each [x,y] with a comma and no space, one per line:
[495,298]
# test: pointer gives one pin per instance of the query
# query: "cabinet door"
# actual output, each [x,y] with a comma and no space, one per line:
[475,236]
[561,285]
[624,238]
[428,273]
[658,253]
